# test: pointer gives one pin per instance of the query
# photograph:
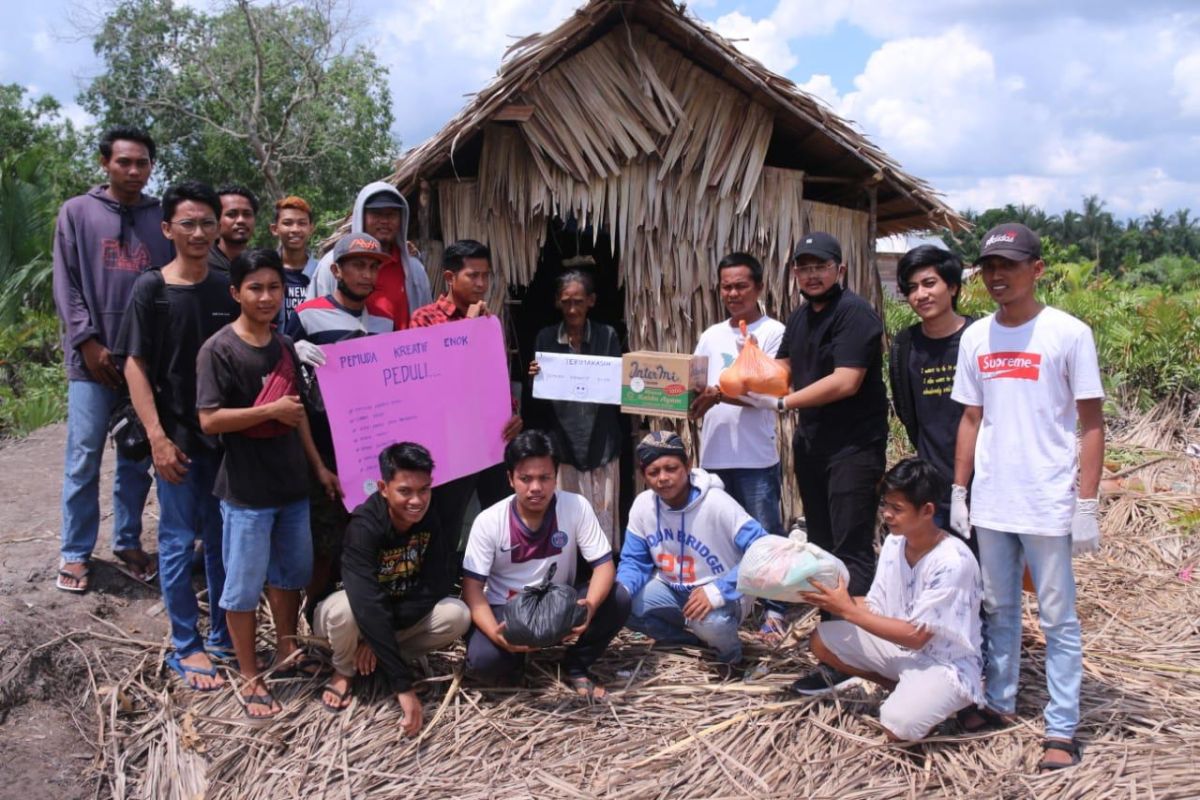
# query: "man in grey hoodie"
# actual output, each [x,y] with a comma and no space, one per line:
[102,241]
[403,285]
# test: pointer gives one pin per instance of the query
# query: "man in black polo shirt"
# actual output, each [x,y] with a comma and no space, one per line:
[833,345]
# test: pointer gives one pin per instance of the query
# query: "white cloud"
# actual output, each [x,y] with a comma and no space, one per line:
[439,51]
[77,115]
[763,40]
[1023,102]
[1186,84]
[43,43]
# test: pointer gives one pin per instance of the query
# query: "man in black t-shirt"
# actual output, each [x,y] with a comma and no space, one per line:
[172,313]
[398,572]
[924,358]
[248,393]
[832,344]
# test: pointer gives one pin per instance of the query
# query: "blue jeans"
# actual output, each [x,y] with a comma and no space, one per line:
[190,512]
[658,613]
[271,546]
[1002,556]
[88,408]
[758,491]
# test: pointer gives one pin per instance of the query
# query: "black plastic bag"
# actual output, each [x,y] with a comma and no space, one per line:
[543,615]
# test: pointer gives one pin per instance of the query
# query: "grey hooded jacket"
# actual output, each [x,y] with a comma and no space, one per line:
[416,282]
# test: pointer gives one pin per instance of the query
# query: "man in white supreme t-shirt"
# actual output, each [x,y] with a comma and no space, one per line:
[1026,374]
[516,543]
[737,442]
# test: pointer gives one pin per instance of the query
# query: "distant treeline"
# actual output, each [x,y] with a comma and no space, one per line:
[1157,248]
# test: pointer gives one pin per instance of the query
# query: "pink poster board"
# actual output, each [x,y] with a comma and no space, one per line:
[444,387]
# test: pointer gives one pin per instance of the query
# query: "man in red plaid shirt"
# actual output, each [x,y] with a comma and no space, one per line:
[468,271]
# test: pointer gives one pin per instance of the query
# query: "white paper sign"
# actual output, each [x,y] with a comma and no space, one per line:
[582,379]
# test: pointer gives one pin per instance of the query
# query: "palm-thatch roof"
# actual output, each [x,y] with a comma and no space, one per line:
[839,161]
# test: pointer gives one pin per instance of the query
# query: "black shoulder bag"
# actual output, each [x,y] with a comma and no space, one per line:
[126,430]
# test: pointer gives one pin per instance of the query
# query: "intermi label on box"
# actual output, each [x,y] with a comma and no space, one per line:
[661,384]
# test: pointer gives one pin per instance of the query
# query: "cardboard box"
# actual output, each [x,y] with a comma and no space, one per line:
[661,384]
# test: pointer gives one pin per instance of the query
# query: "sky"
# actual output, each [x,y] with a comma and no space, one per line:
[1023,101]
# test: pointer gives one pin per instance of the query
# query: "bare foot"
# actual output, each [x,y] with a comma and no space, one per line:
[196,666]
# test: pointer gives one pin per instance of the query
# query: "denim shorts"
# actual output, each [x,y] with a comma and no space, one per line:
[271,546]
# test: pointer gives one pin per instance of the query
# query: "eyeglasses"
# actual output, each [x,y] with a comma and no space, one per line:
[190,225]
[813,269]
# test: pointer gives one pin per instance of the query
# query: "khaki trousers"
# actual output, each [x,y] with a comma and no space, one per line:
[334,621]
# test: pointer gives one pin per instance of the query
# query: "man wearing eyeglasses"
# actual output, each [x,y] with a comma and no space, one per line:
[834,347]
[172,313]
[102,241]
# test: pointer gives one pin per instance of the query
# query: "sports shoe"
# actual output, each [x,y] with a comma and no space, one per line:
[821,681]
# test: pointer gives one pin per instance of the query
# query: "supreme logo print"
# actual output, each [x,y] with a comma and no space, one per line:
[1022,366]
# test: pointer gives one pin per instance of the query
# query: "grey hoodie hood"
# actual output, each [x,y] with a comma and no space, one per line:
[416,281]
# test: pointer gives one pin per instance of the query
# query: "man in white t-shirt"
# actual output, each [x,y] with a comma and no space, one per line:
[737,442]
[1026,375]
[516,543]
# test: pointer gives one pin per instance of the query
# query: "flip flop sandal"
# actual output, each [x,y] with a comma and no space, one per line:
[772,631]
[974,720]
[341,696]
[1066,747]
[142,572]
[305,667]
[585,682]
[264,699]
[226,657]
[81,580]
[183,670]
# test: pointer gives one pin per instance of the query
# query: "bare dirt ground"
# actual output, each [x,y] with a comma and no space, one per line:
[42,748]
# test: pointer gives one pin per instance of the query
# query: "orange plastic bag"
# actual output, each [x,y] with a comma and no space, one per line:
[754,371]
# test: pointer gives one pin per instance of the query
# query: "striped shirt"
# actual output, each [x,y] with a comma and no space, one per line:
[324,320]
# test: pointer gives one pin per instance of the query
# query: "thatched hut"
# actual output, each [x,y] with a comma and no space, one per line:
[636,138]
[636,141]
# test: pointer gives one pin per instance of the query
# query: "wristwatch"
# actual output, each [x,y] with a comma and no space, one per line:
[780,406]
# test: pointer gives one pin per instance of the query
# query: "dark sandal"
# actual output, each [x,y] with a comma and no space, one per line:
[264,699]
[305,666]
[585,688]
[974,720]
[1071,747]
[341,696]
[142,570]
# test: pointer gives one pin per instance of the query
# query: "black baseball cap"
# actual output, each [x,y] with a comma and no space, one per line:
[1013,241]
[383,200]
[822,245]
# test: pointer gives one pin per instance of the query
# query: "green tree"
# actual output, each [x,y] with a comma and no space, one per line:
[271,95]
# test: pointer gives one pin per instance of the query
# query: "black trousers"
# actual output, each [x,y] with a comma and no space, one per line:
[841,500]
[492,665]
[450,500]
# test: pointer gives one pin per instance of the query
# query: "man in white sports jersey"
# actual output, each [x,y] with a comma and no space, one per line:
[538,532]
[1026,375]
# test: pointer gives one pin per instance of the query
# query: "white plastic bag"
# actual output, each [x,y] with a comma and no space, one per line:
[778,568]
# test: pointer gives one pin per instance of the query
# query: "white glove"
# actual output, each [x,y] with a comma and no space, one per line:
[1085,527]
[310,353]
[960,516]
[757,400]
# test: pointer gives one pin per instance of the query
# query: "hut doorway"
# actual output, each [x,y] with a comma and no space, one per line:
[532,307]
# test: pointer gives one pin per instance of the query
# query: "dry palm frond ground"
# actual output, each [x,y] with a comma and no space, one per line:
[674,728]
